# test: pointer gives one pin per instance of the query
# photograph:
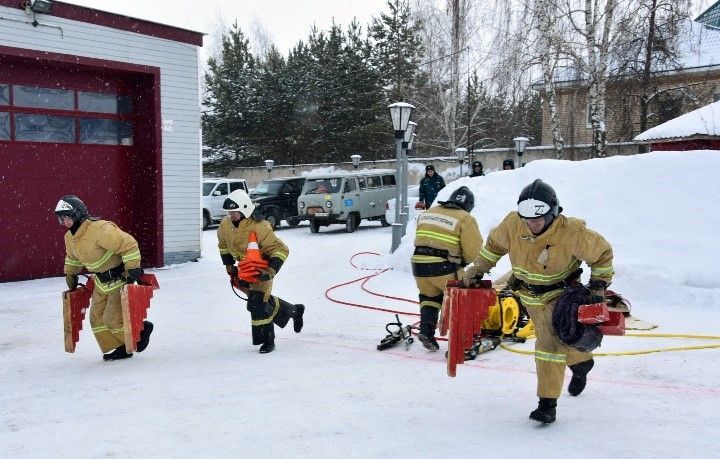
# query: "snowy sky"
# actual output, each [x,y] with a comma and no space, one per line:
[287,21]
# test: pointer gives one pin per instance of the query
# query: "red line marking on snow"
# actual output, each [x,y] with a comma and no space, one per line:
[481,365]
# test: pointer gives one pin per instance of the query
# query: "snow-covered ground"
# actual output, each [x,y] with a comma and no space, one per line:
[202,390]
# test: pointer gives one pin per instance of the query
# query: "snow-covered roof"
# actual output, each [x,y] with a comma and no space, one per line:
[703,121]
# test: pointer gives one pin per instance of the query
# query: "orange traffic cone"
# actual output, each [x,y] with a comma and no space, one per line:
[249,267]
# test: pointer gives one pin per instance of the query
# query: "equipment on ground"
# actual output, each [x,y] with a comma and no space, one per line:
[401,333]
[135,301]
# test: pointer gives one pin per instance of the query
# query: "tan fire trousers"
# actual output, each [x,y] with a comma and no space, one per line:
[551,354]
[106,319]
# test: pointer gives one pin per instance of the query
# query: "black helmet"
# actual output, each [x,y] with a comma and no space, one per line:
[538,199]
[461,198]
[477,164]
[71,206]
[508,162]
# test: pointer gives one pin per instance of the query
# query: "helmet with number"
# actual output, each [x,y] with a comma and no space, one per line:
[461,198]
[239,201]
[538,200]
[71,206]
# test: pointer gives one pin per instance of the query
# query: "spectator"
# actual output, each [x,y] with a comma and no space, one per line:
[430,186]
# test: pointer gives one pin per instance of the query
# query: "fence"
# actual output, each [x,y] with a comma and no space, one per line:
[447,166]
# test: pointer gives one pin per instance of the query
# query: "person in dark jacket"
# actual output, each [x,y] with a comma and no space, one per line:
[430,186]
[508,164]
[477,169]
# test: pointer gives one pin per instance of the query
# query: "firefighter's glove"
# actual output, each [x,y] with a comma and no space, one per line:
[597,290]
[471,277]
[72,281]
[267,274]
[231,270]
[133,275]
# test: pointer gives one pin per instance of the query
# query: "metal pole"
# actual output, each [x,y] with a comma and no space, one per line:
[403,191]
[397,227]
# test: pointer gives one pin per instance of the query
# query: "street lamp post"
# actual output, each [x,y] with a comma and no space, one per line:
[520,143]
[355,161]
[269,165]
[400,115]
[460,153]
[402,183]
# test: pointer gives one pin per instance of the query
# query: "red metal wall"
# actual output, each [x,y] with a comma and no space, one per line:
[118,183]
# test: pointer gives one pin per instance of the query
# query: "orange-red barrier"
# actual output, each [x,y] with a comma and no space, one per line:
[135,301]
[464,310]
[249,267]
[75,303]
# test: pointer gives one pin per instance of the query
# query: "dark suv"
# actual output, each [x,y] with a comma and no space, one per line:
[277,199]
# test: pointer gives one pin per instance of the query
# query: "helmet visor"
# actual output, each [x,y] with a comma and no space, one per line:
[532,208]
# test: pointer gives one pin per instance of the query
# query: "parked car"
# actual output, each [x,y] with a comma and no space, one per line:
[214,193]
[346,198]
[413,195]
[277,199]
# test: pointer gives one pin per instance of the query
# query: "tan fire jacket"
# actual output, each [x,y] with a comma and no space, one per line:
[549,258]
[448,229]
[99,245]
[234,241]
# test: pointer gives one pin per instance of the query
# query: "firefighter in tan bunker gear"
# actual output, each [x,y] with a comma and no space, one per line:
[446,239]
[233,237]
[114,257]
[546,250]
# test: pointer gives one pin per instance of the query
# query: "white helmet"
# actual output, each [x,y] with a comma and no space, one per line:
[239,201]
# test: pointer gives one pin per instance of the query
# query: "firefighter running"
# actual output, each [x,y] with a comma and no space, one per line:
[446,239]
[114,257]
[233,238]
[546,250]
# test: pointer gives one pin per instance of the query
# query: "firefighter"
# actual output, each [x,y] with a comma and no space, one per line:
[546,250]
[114,257]
[430,186]
[477,169]
[446,239]
[233,237]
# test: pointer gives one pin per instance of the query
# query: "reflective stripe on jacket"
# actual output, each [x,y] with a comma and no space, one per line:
[549,258]
[99,245]
[450,229]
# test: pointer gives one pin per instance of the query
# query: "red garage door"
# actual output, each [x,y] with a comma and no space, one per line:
[73,126]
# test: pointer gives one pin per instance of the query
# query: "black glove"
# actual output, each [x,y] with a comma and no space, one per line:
[72,281]
[133,275]
[597,290]
[267,274]
[231,270]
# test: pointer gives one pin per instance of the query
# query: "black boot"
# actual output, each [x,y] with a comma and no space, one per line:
[117,354]
[428,323]
[144,336]
[298,317]
[545,411]
[429,342]
[267,347]
[579,378]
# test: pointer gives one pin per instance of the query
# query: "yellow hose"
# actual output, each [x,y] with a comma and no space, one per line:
[646,351]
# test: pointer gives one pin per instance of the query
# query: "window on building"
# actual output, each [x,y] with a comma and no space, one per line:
[100,131]
[104,103]
[4,126]
[588,117]
[37,97]
[4,94]
[44,128]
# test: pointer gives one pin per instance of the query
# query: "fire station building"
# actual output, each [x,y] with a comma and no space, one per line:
[106,107]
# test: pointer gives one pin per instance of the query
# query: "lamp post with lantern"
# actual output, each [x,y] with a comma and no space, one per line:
[355,161]
[400,115]
[269,166]
[520,144]
[461,153]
